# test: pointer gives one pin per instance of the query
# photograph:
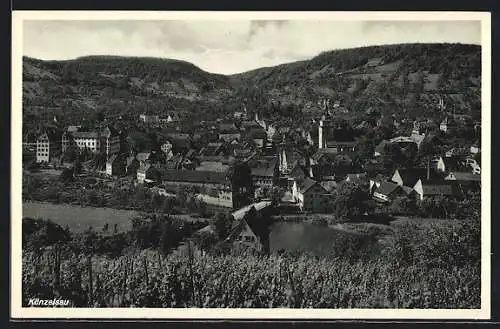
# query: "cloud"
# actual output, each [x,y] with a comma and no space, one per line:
[230,46]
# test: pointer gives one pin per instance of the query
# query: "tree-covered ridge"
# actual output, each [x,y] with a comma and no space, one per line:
[405,79]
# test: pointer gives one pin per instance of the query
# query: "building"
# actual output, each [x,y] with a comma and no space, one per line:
[147,173]
[408,177]
[149,118]
[264,170]
[311,196]
[115,166]
[131,166]
[463,177]
[447,125]
[288,160]
[433,188]
[244,237]
[215,188]
[475,148]
[380,148]
[105,141]
[48,145]
[445,164]
[387,191]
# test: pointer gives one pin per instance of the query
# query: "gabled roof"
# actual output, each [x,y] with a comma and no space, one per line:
[463,176]
[453,163]
[380,148]
[387,188]
[297,171]
[143,156]
[438,187]
[323,170]
[329,185]
[410,176]
[192,176]
[306,184]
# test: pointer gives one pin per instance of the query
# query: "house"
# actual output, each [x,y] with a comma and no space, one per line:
[432,188]
[265,171]
[115,166]
[463,177]
[244,237]
[311,196]
[149,118]
[387,191]
[475,148]
[375,182]
[146,173]
[408,177]
[131,166]
[447,125]
[444,164]
[166,147]
[172,117]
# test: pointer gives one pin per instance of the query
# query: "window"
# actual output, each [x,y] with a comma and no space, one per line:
[248,238]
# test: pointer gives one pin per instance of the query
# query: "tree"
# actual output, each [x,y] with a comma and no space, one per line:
[350,201]
[67,175]
[222,224]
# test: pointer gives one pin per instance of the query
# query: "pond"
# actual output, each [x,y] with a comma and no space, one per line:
[320,240]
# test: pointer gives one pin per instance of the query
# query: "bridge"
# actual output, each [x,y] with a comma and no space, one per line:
[240,213]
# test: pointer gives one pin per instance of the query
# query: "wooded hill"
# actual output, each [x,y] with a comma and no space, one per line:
[405,79]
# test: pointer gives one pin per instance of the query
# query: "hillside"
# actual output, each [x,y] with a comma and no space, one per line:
[405,79]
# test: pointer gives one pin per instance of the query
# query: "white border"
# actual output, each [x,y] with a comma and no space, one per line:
[17,311]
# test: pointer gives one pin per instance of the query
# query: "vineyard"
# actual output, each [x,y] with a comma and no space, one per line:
[151,279]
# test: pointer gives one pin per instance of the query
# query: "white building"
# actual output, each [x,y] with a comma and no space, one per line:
[95,141]
[47,145]
[148,118]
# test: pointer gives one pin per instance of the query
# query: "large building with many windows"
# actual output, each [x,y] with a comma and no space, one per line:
[105,141]
[48,146]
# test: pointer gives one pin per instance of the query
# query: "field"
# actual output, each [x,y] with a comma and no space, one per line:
[77,218]
[152,280]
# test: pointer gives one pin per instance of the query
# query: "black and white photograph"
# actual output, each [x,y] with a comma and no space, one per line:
[270,165]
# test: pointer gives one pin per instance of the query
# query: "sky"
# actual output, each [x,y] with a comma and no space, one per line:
[229,47]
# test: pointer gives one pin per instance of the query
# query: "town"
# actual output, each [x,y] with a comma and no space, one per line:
[349,180]
[234,162]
